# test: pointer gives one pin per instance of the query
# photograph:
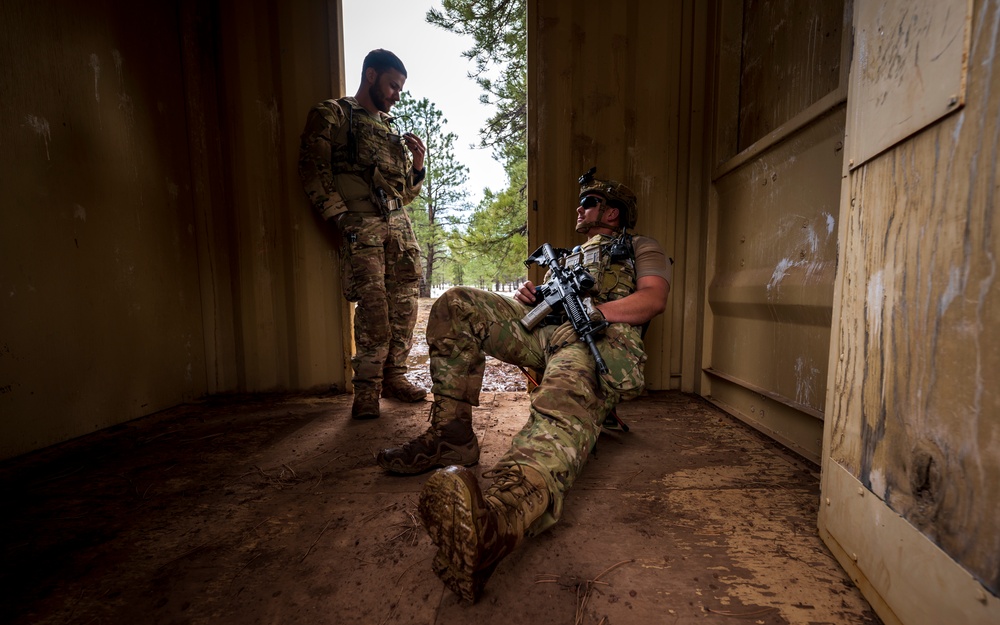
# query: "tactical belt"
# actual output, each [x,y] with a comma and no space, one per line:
[370,208]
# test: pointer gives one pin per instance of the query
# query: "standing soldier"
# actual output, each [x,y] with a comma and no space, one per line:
[357,174]
[475,529]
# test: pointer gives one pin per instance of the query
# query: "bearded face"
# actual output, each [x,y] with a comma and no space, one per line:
[384,91]
[378,99]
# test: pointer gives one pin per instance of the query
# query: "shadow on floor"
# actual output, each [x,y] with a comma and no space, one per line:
[270,509]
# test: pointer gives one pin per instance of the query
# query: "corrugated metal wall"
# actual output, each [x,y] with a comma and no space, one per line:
[155,244]
[774,205]
[279,59]
[624,89]
[100,315]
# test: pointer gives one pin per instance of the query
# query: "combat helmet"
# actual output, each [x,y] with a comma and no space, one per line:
[614,193]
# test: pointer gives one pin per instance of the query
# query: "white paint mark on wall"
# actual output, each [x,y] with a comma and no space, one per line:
[805,379]
[95,66]
[79,212]
[125,104]
[878,483]
[874,303]
[831,223]
[951,291]
[812,239]
[780,271]
[119,65]
[41,127]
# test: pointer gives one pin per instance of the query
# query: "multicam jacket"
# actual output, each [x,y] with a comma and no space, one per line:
[348,158]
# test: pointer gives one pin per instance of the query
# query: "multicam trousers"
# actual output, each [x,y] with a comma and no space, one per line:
[571,400]
[380,270]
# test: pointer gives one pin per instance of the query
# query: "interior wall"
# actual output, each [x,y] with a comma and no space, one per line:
[775,197]
[913,418]
[628,97]
[100,315]
[292,327]
[155,244]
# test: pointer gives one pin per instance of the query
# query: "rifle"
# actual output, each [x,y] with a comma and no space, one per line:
[562,291]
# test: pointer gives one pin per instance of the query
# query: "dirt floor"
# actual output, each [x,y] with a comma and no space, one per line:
[270,509]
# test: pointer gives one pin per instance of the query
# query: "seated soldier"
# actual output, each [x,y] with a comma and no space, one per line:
[473,529]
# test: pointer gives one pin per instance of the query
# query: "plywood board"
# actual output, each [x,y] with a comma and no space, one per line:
[883,552]
[910,66]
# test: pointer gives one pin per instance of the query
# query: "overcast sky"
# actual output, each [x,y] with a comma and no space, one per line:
[435,69]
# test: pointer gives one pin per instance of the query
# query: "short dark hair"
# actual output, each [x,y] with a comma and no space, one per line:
[381,60]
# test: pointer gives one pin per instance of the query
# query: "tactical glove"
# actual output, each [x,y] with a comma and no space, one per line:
[565,334]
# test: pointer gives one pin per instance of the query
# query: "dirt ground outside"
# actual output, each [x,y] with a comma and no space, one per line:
[499,377]
[270,509]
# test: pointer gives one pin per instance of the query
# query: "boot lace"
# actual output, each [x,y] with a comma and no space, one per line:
[510,487]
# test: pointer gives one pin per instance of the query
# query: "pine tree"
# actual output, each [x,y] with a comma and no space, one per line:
[498,28]
[498,229]
[442,200]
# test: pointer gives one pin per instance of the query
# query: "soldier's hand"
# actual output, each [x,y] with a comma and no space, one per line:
[526,294]
[563,336]
[417,149]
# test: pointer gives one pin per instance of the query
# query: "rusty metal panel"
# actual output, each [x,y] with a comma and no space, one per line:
[910,60]
[597,99]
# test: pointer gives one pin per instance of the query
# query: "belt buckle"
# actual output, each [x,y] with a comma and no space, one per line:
[395,204]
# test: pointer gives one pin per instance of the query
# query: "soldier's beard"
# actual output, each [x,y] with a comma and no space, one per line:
[378,99]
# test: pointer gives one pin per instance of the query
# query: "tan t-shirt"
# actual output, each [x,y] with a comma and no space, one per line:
[650,260]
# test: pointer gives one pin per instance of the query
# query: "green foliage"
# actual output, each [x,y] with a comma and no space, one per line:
[494,246]
[439,208]
[497,232]
[498,28]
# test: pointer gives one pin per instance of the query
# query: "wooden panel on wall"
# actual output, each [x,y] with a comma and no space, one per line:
[915,413]
[911,69]
[627,97]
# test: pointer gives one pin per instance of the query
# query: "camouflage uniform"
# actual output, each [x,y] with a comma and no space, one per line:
[475,529]
[363,183]
[571,401]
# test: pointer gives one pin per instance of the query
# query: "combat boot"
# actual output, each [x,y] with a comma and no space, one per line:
[449,440]
[398,387]
[473,530]
[365,403]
